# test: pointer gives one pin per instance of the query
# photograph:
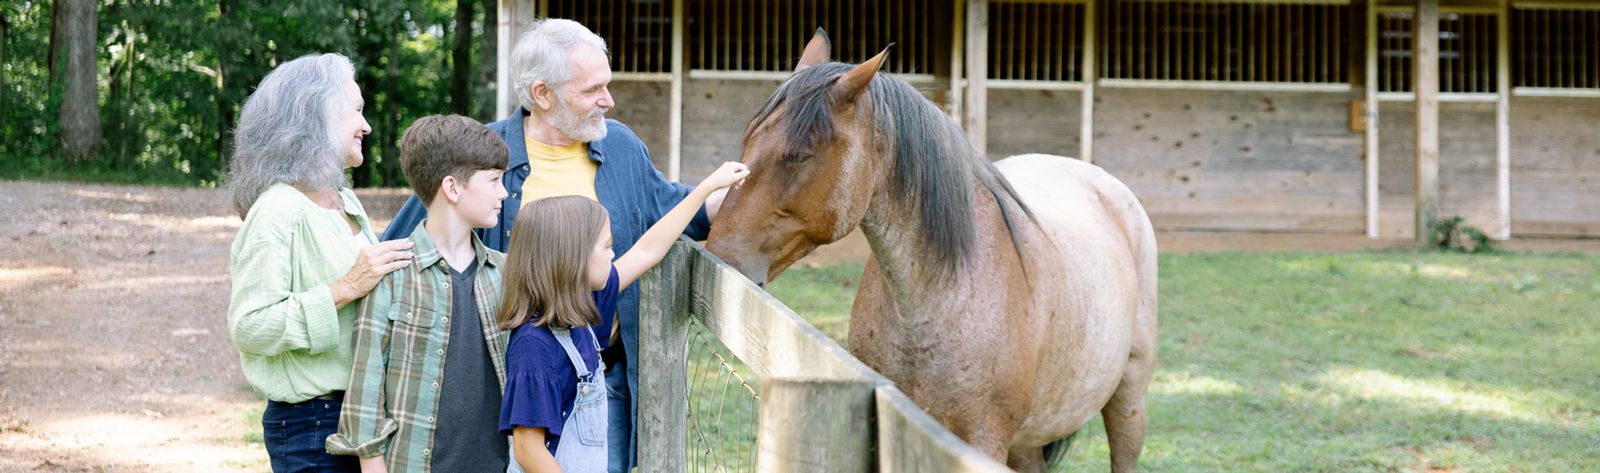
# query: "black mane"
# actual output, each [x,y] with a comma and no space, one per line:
[933,161]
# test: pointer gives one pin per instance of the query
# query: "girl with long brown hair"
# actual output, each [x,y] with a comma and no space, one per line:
[561,284]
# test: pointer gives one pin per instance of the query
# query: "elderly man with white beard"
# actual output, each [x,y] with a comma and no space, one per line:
[561,144]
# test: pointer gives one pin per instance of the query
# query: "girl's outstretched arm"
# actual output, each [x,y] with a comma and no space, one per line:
[655,243]
[529,453]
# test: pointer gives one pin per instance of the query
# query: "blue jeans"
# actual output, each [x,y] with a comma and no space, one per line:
[619,431]
[296,434]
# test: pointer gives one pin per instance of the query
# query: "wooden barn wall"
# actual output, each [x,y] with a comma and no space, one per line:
[1555,167]
[715,112]
[644,107]
[1466,166]
[1034,121]
[1233,160]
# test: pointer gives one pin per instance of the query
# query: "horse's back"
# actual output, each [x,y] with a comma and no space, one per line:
[1102,292]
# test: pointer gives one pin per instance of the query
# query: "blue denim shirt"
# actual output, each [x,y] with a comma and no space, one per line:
[628,185]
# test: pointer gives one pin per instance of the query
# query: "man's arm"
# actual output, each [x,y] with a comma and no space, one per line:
[406,219]
[665,195]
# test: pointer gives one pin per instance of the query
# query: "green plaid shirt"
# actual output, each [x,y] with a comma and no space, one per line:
[401,338]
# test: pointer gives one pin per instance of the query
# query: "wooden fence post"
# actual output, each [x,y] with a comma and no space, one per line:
[663,363]
[834,433]
[910,441]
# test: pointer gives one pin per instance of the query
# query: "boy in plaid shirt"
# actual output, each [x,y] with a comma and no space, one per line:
[429,369]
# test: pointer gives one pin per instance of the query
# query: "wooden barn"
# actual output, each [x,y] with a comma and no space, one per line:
[1259,115]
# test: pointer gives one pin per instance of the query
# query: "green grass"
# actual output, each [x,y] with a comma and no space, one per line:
[1372,361]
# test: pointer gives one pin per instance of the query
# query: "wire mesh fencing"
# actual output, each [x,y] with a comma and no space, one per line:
[724,406]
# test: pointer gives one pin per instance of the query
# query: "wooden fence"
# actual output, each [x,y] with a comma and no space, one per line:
[821,409]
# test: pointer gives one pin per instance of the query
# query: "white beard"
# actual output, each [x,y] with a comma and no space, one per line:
[579,129]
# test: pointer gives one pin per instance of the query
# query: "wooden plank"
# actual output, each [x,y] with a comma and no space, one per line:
[1036,121]
[816,425]
[1348,224]
[977,61]
[1467,170]
[761,331]
[910,441]
[1555,179]
[1425,61]
[663,364]
[643,104]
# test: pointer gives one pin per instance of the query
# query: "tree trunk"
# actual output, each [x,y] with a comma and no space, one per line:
[4,24]
[391,79]
[488,59]
[368,75]
[55,44]
[224,111]
[461,59]
[80,108]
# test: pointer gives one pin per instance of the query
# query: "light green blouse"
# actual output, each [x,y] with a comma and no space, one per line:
[293,344]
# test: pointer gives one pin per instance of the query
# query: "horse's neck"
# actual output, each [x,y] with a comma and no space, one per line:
[912,270]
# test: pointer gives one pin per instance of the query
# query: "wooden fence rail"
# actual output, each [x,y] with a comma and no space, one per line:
[821,409]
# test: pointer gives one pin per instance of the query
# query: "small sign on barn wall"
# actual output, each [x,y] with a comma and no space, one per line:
[1358,116]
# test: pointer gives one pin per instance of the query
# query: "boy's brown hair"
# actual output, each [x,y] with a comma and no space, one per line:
[546,271]
[436,146]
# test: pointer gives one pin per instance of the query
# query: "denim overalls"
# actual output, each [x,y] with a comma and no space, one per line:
[583,435]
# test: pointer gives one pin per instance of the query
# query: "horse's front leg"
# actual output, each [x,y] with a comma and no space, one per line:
[1027,460]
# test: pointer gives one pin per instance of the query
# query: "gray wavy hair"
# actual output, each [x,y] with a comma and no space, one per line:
[286,130]
[541,54]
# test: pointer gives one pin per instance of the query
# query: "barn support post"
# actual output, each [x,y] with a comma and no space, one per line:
[1370,113]
[957,58]
[1502,117]
[1425,63]
[675,109]
[513,17]
[1086,127]
[977,61]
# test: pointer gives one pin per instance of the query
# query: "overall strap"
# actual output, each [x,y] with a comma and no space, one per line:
[564,336]
[600,359]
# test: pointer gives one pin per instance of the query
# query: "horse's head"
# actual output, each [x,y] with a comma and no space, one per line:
[813,167]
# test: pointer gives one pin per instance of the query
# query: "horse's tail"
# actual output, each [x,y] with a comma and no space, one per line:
[1055,453]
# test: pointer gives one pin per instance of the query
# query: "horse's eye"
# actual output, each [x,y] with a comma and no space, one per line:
[795,158]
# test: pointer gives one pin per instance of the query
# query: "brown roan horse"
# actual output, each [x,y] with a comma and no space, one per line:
[1012,300]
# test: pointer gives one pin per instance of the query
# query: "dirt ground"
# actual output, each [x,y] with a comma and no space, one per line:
[114,354]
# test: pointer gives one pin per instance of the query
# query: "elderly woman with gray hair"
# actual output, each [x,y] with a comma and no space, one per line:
[305,254]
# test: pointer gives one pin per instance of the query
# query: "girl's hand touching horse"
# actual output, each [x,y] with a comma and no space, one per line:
[730,174]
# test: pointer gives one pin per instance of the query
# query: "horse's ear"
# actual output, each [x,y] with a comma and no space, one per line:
[855,81]
[816,51]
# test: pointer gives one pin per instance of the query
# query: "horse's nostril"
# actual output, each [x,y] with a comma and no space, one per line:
[761,285]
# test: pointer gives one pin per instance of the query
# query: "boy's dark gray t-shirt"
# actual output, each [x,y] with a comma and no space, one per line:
[467,437]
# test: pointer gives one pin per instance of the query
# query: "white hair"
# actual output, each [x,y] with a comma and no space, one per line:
[541,54]
[286,130]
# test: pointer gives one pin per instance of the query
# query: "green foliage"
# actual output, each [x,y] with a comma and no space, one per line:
[27,109]
[173,73]
[1453,234]
[1372,361]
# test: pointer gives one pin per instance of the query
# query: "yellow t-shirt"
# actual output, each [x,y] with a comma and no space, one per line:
[558,170]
